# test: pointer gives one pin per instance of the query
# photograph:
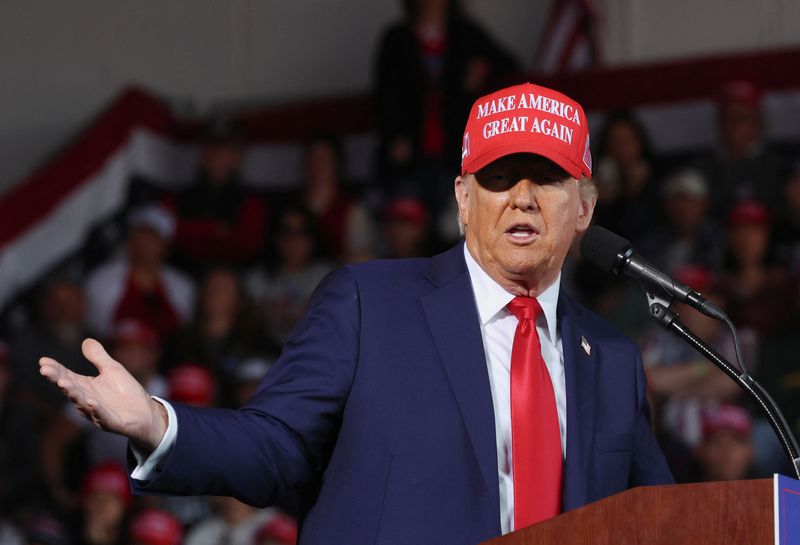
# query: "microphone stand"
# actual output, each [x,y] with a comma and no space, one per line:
[669,320]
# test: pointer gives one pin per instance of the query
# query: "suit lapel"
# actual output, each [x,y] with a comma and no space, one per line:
[454,324]
[579,368]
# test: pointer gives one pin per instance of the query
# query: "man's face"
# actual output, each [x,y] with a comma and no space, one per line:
[740,127]
[221,161]
[726,456]
[521,214]
[146,248]
[749,243]
[686,213]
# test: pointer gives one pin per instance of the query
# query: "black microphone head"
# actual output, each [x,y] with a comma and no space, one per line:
[604,248]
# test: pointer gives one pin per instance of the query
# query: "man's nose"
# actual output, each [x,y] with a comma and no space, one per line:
[523,194]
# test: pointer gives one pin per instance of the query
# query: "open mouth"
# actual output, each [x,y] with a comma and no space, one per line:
[521,232]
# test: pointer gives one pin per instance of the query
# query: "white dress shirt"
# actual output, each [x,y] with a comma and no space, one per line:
[497,331]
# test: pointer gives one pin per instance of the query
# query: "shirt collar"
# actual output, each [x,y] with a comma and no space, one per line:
[491,298]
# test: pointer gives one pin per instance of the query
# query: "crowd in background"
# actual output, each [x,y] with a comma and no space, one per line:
[197,290]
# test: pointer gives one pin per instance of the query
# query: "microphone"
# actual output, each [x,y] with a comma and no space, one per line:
[616,255]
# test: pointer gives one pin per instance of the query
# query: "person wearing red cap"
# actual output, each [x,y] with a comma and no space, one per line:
[762,296]
[743,165]
[443,400]
[405,228]
[726,452]
[105,500]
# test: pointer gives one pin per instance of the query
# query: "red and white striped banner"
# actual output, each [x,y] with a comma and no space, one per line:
[569,39]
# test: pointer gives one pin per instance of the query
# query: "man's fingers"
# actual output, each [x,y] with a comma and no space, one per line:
[51,369]
[96,354]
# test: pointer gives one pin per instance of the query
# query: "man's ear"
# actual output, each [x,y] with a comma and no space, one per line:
[462,191]
[588,199]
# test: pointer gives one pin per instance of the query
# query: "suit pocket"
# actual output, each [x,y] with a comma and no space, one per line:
[614,442]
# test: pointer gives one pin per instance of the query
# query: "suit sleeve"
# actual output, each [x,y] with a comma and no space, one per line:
[648,466]
[282,438]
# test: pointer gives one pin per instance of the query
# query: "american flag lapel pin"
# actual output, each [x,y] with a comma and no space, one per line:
[586,346]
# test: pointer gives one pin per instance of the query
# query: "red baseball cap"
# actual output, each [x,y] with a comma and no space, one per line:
[280,528]
[154,527]
[191,384]
[740,90]
[727,417]
[527,118]
[134,331]
[697,277]
[406,208]
[107,477]
[748,213]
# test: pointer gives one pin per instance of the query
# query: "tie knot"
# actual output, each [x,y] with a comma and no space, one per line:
[525,308]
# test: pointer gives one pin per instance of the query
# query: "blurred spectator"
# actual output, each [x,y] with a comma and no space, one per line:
[787,228]
[42,529]
[282,289]
[430,68]
[154,527]
[280,530]
[222,331]
[742,167]
[219,221]
[191,384]
[405,228]
[106,498]
[345,226]
[682,383]
[235,523]
[628,196]
[21,483]
[726,452]
[141,285]
[57,333]
[689,237]
[135,346]
[760,294]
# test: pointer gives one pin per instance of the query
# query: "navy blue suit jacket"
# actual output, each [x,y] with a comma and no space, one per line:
[381,404]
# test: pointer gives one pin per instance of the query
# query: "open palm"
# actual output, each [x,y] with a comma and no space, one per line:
[113,400]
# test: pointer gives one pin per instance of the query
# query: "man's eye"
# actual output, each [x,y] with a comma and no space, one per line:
[496,182]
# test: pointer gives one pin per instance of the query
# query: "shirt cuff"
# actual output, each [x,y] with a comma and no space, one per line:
[147,464]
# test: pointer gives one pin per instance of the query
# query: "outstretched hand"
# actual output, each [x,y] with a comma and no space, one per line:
[114,400]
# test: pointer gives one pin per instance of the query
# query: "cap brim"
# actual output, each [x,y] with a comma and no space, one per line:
[480,161]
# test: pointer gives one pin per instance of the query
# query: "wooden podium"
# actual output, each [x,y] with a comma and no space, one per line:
[708,513]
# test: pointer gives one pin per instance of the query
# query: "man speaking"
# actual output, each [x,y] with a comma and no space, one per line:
[443,400]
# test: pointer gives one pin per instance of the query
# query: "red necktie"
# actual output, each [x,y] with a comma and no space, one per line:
[535,436]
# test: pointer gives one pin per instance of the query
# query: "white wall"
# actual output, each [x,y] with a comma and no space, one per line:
[637,31]
[61,61]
